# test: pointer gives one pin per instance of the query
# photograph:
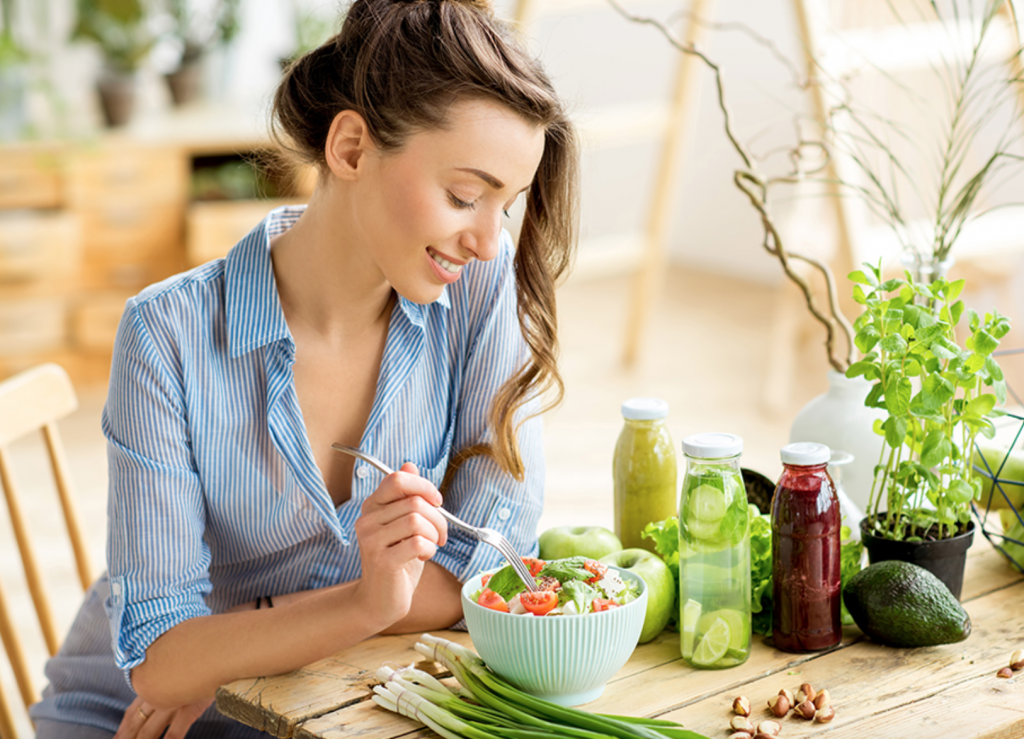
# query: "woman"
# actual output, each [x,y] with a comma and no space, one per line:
[393,314]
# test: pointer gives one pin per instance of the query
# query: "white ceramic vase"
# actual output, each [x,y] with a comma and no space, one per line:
[840,420]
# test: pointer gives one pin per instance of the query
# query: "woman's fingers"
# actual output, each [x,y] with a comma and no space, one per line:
[411,507]
[142,721]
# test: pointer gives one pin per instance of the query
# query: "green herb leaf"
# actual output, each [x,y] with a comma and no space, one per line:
[981,405]
[895,431]
[859,277]
[897,396]
[579,593]
[866,338]
[894,344]
[566,569]
[984,342]
[506,583]
[960,492]
[936,447]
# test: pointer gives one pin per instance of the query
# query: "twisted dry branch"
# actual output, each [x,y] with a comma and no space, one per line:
[755,186]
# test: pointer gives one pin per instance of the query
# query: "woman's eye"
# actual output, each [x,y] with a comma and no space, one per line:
[458,203]
[505,211]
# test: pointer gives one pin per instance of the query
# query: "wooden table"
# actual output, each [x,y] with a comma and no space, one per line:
[949,691]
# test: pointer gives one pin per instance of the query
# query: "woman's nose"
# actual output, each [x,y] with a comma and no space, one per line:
[483,237]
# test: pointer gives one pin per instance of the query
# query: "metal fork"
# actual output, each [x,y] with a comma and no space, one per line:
[486,535]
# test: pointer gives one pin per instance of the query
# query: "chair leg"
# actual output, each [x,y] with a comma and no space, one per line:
[28,558]
[9,637]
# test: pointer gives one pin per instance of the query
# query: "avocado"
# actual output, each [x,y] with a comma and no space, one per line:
[903,605]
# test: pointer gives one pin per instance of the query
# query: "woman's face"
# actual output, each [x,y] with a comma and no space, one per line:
[437,203]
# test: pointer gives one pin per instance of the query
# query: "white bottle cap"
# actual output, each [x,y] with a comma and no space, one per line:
[644,409]
[805,453]
[712,445]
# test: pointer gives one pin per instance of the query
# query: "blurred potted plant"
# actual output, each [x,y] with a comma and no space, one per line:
[14,61]
[121,30]
[198,31]
[933,390]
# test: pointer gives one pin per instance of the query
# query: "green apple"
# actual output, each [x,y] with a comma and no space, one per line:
[661,587]
[578,541]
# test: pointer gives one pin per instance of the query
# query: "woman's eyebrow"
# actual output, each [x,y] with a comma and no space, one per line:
[488,178]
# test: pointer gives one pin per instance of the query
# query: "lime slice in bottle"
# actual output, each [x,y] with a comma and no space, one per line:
[706,503]
[713,645]
[737,627]
[691,614]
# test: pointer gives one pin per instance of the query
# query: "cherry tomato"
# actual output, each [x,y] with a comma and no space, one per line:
[603,604]
[485,579]
[539,602]
[598,568]
[534,565]
[490,599]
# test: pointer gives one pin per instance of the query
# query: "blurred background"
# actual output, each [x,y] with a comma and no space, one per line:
[134,144]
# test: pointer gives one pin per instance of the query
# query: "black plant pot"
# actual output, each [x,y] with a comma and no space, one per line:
[117,98]
[944,558]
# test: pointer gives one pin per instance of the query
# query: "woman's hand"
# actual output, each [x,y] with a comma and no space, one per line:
[399,529]
[142,721]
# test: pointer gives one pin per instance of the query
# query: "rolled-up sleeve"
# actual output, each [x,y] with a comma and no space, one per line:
[157,559]
[481,492]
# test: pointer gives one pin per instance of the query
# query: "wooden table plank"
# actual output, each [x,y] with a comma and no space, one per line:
[331,698]
[877,686]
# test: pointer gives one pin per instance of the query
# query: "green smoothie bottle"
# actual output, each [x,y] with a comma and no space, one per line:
[644,470]
[714,554]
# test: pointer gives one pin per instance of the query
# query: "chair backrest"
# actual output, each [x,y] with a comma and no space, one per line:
[32,402]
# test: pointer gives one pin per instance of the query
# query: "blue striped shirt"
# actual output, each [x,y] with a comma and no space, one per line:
[215,497]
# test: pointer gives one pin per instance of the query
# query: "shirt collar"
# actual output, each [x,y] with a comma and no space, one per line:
[253,307]
[254,314]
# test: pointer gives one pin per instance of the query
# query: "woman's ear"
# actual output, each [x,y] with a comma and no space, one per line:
[348,141]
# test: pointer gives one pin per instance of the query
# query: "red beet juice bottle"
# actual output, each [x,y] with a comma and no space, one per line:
[805,552]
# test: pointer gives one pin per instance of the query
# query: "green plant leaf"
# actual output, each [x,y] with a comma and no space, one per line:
[927,334]
[895,431]
[943,348]
[974,362]
[868,369]
[889,285]
[897,396]
[859,296]
[874,397]
[866,338]
[960,492]
[980,406]
[936,447]
[954,289]
[972,320]
[911,368]
[860,277]
[894,344]
[984,342]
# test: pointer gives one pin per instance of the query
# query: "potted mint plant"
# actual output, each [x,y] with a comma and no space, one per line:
[938,395]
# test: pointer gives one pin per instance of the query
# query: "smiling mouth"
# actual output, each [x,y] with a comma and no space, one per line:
[448,266]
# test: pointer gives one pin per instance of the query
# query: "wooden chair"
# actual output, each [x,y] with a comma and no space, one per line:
[32,402]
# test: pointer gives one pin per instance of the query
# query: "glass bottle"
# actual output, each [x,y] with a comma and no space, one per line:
[714,554]
[644,471]
[805,552]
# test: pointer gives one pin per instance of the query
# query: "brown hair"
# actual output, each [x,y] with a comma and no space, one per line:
[401,64]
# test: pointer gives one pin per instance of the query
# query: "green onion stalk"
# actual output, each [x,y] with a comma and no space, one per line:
[485,706]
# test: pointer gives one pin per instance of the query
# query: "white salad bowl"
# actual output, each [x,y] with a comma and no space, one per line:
[563,659]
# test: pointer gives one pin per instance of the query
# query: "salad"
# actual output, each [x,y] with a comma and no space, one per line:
[568,587]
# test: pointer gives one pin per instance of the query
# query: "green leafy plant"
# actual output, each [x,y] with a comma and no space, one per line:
[120,28]
[934,392]
[199,31]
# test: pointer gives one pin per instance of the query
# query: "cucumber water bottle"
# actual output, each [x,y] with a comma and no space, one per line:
[714,554]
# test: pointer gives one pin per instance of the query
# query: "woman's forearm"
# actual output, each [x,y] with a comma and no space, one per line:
[190,661]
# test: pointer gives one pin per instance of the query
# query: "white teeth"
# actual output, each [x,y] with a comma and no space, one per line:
[448,266]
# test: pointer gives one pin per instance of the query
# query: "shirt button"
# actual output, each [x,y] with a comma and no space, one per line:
[504,513]
[362,472]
